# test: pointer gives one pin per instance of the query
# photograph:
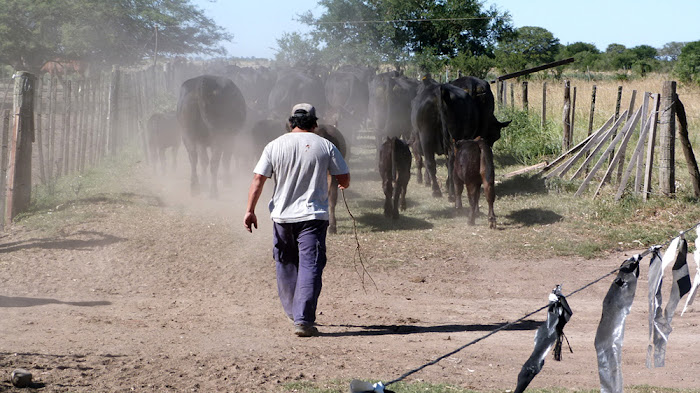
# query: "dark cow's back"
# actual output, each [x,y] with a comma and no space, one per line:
[293,87]
[390,96]
[211,110]
[480,91]
[440,114]
[348,98]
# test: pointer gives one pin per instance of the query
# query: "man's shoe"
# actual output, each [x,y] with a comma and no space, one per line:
[305,330]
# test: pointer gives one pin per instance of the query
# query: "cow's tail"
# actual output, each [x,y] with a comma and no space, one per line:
[447,141]
[487,169]
[393,158]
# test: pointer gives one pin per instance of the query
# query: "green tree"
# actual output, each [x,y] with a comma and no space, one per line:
[102,32]
[477,66]
[645,52]
[296,50]
[618,57]
[374,31]
[671,50]
[531,46]
[586,55]
[687,67]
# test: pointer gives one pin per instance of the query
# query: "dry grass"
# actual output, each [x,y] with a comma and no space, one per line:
[534,220]
[606,98]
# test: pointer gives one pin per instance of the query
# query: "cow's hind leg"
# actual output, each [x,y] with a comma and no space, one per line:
[459,187]
[214,170]
[431,173]
[388,188]
[488,179]
[192,152]
[473,193]
[490,194]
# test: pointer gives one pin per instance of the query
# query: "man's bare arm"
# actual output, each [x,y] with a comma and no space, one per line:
[256,187]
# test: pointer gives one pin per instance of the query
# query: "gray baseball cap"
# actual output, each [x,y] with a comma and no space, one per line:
[303,109]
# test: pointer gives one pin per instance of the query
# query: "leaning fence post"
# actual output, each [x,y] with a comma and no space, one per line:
[525,103]
[19,170]
[667,139]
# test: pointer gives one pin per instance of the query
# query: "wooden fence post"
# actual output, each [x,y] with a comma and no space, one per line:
[573,115]
[687,147]
[590,117]
[667,139]
[640,159]
[650,148]
[566,122]
[512,96]
[65,140]
[499,93]
[525,103]
[618,101]
[3,164]
[53,96]
[113,111]
[19,170]
[39,132]
[544,104]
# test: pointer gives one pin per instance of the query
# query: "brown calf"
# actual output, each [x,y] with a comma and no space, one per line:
[473,167]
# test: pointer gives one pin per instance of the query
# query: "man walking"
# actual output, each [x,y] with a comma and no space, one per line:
[300,162]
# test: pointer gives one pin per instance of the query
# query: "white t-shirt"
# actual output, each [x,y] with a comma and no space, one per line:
[300,163]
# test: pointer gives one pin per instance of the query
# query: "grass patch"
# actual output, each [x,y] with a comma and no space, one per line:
[60,202]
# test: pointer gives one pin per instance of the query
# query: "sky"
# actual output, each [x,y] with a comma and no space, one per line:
[257,24]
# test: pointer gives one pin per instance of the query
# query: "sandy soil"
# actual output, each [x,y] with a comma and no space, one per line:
[160,291]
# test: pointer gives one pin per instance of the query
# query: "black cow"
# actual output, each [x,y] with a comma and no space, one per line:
[293,87]
[390,96]
[163,133]
[474,167]
[348,98]
[211,110]
[480,90]
[255,84]
[442,114]
[333,134]
[395,169]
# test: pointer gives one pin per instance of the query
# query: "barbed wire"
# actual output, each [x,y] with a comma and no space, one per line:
[370,21]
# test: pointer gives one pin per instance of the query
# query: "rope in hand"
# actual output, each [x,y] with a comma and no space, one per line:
[358,254]
[638,257]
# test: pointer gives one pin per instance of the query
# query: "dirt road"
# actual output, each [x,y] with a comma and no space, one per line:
[154,290]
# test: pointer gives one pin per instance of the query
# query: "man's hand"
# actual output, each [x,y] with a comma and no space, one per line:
[249,221]
[343,181]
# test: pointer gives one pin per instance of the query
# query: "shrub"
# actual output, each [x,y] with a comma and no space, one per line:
[524,141]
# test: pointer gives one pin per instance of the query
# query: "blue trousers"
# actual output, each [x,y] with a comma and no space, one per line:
[299,250]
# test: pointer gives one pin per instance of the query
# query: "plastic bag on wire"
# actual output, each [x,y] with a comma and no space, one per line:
[696,280]
[611,329]
[660,320]
[548,335]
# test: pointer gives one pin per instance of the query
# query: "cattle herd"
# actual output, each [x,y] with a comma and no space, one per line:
[232,115]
